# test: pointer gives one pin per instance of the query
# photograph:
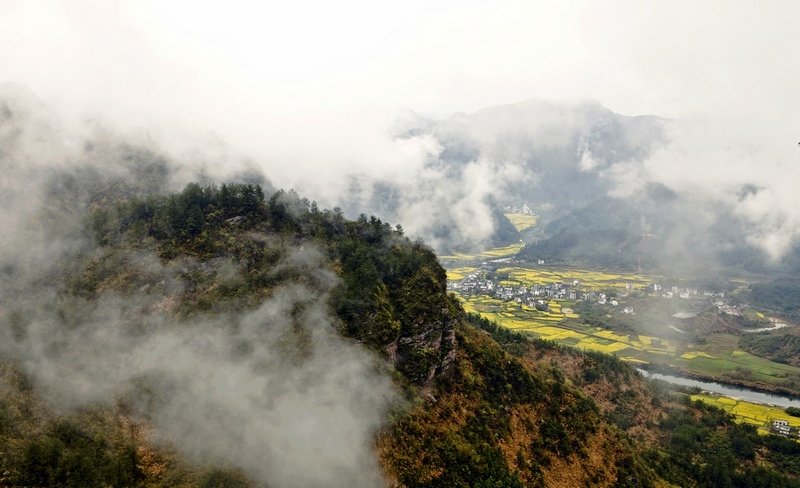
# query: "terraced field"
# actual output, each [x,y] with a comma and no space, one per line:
[459,265]
[751,413]
[495,253]
[522,221]
[591,280]
[561,327]
[457,274]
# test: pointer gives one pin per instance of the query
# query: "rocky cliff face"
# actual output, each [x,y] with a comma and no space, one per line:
[430,349]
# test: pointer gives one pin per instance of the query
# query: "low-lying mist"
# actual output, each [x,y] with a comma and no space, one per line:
[272,390]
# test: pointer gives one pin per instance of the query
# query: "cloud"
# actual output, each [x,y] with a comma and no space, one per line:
[272,390]
[435,197]
[710,163]
[307,92]
[289,407]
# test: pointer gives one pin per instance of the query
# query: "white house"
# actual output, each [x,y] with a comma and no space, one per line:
[780,427]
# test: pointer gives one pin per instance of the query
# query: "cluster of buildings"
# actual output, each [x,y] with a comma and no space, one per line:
[477,284]
[524,209]
[685,293]
[781,427]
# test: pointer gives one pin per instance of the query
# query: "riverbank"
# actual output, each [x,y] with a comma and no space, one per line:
[734,385]
[758,415]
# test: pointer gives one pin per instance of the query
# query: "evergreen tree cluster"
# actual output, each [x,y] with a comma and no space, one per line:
[703,447]
[392,291]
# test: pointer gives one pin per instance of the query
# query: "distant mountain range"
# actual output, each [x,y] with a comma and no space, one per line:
[554,157]
[563,149]
[583,169]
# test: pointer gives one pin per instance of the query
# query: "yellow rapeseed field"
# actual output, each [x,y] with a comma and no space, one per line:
[458,274]
[752,413]
[496,253]
[591,280]
[522,221]
[696,354]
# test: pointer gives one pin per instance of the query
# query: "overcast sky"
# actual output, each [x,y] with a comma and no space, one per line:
[291,83]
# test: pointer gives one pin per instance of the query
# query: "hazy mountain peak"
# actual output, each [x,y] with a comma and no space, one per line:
[408,123]
[15,95]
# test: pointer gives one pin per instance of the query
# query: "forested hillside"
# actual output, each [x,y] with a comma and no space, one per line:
[222,337]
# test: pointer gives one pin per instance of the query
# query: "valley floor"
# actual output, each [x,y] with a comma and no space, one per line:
[644,330]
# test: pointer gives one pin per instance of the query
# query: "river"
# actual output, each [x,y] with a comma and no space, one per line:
[778,325]
[745,394]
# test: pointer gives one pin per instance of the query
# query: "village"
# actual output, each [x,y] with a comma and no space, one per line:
[485,281]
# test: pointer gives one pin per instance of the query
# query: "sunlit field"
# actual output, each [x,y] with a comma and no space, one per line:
[557,326]
[495,253]
[592,280]
[751,413]
[458,274]
[459,265]
[522,221]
